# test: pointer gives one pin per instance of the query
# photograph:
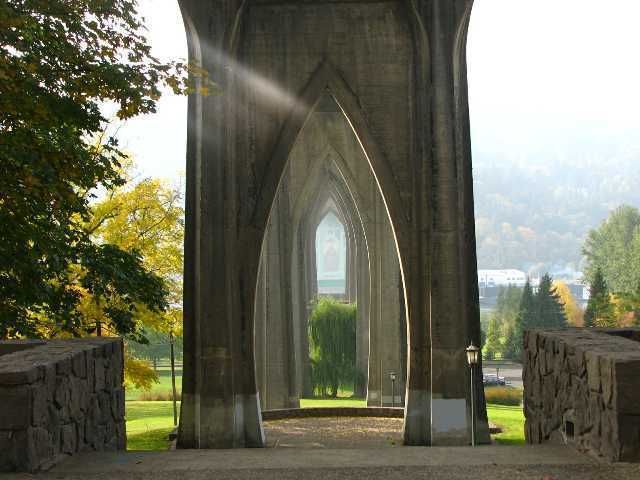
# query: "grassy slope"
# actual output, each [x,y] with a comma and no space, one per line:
[149,423]
[511,420]
[164,386]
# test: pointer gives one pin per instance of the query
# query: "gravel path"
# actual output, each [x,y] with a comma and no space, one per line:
[334,432]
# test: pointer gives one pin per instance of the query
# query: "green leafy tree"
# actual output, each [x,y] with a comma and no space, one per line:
[548,305]
[59,61]
[493,344]
[599,312]
[525,319]
[614,249]
[145,217]
[630,303]
[332,339]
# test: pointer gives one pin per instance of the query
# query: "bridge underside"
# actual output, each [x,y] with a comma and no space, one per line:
[394,156]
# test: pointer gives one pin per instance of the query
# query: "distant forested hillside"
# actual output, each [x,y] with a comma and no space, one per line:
[534,208]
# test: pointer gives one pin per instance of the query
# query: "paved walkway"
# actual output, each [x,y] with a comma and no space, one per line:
[436,463]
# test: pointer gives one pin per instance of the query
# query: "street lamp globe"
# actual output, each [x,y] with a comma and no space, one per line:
[473,353]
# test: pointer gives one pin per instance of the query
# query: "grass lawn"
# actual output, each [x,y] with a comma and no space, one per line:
[511,420]
[148,425]
[330,402]
[164,387]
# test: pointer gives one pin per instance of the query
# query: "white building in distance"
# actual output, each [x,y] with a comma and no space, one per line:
[501,278]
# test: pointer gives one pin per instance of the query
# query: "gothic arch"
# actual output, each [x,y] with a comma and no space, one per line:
[408,93]
[326,80]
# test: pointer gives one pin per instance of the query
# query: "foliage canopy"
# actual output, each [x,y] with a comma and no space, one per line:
[59,61]
[614,249]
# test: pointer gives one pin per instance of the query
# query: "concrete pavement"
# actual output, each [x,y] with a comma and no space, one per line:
[541,462]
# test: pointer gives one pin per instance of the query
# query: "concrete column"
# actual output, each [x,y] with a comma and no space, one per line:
[384,340]
[220,406]
[451,326]
[274,337]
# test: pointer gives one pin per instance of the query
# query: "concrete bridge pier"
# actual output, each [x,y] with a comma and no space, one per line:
[397,70]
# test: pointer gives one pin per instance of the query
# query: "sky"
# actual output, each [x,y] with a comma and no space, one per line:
[544,75]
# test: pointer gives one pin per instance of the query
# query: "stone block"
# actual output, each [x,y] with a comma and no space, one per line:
[63,366]
[110,434]
[13,451]
[542,363]
[7,451]
[11,346]
[104,400]
[69,439]
[63,393]
[23,376]
[117,404]
[99,380]
[56,411]
[629,435]
[627,376]
[39,447]
[40,404]
[593,371]
[49,380]
[607,381]
[121,435]
[91,368]
[79,364]
[100,437]
[15,413]
[77,398]
[55,436]
[116,374]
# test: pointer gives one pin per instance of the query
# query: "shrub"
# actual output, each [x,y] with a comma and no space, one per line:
[159,396]
[503,395]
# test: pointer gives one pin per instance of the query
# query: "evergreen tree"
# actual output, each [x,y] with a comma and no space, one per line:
[599,311]
[507,310]
[549,308]
[525,319]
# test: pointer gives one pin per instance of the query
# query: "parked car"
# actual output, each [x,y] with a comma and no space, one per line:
[492,379]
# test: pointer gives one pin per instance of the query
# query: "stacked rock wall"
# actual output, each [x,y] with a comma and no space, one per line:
[582,387]
[58,398]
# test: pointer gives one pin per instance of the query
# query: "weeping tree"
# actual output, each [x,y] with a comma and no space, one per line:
[332,340]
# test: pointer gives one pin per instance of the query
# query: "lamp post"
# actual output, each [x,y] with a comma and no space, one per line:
[392,376]
[472,358]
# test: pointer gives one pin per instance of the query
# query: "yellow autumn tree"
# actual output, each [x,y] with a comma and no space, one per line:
[147,217]
[574,314]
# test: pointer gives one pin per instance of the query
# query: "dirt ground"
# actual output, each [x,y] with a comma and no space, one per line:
[334,432]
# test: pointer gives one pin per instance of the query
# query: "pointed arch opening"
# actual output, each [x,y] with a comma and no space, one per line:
[330,226]
[331,255]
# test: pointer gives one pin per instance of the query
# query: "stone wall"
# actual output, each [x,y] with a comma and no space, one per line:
[582,387]
[58,398]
